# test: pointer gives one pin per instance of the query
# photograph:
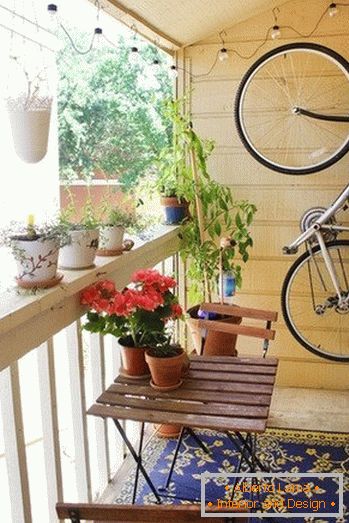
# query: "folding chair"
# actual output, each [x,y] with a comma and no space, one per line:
[245,445]
[76,512]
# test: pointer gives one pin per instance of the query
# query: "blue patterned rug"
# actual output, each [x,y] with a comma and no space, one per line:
[281,450]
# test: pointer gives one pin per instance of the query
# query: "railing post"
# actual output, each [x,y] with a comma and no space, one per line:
[16,459]
[50,427]
[78,403]
[120,449]
[98,386]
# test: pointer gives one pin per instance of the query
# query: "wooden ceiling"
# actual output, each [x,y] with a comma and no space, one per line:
[178,23]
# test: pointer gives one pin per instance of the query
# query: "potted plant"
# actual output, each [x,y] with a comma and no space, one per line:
[35,248]
[114,222]
[214,216]
[80,251]
[29,108]
[173,177]
[165,361]
[138,315]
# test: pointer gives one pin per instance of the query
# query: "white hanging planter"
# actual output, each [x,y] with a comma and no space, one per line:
[36,262]
[30,131]
[81,251]
[111,240]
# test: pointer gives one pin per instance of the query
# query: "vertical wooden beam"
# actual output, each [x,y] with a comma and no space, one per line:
[78,403]
[98,386]
[15,454]
[50,427]
[183,298]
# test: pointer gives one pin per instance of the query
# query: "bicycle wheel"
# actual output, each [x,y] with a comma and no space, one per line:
[296,76]
[309,302]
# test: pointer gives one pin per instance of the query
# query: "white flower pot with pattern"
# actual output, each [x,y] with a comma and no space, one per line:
[81,251]
[36,261]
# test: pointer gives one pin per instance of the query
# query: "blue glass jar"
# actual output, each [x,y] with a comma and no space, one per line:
[229,284]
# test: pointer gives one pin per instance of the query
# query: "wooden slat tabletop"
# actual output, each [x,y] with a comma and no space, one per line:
[219,393]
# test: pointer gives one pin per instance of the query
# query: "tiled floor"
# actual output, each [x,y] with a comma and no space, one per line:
[310,409]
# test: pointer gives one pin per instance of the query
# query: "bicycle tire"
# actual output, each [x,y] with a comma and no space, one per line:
[285,312]
[237,110]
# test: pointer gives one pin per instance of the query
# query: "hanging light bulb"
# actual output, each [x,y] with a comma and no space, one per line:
[173,71]
[332,9]
[223,54]
[133,56]
[98,43]
[275,33]
[52,16]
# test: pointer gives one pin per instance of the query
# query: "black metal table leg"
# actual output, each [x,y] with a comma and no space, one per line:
[198,440]
[252,451]
[138,463]
[179,442]
[242,449]
[138,460]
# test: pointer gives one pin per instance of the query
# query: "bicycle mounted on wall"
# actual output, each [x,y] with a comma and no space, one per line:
[300,127]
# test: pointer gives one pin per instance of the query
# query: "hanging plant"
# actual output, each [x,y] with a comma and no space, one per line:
[30,113]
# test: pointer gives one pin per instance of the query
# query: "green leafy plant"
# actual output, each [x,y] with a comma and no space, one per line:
[214,212]
[165,349]
[173,177]
[17,231]
[114,216]
[88,215]
[109,120]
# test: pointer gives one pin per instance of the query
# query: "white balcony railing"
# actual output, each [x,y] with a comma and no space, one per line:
[50,373]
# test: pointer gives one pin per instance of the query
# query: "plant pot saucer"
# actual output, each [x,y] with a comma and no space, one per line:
[126,246]
[43,284]
[166,388]
[124,374]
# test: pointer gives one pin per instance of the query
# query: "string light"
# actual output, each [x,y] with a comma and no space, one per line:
[52,16]
[332,9]
[223,54]
[133,56]
[155,64]
[275,32]
[173,71]
[98,35]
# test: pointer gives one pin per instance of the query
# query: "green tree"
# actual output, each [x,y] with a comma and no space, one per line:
[110,116]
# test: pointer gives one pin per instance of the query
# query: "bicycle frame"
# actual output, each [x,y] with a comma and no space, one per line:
[341,203]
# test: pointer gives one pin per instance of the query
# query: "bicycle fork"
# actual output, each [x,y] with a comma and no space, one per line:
[330,266]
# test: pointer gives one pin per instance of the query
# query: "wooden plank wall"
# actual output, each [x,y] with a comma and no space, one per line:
[280,199]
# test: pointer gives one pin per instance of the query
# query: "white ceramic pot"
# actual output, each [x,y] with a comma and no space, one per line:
[81,251]
[30,130]
[36,261]
[111,237]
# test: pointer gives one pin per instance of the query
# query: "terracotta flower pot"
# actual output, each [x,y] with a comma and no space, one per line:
[166,373]
[214,343]
[133,362]
[168,430]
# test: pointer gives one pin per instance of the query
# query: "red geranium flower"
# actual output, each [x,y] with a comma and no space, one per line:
[177,311]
